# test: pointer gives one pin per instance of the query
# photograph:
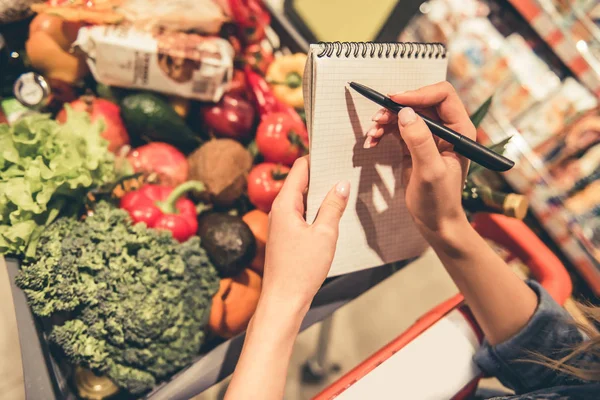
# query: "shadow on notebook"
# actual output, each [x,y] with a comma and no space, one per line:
[375,201]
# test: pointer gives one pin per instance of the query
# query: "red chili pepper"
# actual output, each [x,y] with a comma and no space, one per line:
[162,207]
[266,102]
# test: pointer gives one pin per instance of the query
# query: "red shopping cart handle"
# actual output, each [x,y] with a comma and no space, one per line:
[517,238]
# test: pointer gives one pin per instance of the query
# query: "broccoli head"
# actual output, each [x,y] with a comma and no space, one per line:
[137,300]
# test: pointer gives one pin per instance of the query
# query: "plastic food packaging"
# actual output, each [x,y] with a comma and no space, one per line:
[475,45]
[203,16]
[177,63]
[552,115]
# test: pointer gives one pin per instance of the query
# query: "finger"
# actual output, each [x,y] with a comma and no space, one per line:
[442,96]
[384,116]
[291,195]
[333,206]
[375,134]
[419,140]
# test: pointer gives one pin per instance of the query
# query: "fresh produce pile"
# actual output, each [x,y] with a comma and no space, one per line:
[137,298]
[139,206]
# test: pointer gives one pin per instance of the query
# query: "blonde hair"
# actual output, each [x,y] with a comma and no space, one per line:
[570,364]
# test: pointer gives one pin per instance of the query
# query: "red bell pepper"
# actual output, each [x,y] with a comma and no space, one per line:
[267,103]
[251,18]
[163,207]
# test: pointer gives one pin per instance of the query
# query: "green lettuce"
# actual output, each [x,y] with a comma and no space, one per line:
[45,170]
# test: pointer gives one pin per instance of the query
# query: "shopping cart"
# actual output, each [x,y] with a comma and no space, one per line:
[433,359]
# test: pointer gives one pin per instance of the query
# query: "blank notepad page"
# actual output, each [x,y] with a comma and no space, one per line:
[376,228]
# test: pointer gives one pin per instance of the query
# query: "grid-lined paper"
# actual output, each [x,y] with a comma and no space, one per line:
[376,228]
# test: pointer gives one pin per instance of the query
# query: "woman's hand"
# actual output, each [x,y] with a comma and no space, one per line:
[299,255]
[433,174]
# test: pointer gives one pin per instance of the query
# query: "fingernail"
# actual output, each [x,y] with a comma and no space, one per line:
[396,94]
[378,115]
[367,144]
[343,189]
[372,131]
[407,116]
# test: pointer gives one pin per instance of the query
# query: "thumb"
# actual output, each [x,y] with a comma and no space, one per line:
[333,206]
[418,139]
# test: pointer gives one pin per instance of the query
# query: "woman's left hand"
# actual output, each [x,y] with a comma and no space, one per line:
[299,255]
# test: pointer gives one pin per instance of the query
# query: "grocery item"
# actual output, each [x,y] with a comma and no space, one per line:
[264,184]
[32,90]
[258,222]
[441,18]
[234,304]
[578,137]
[475,44]
[569,172]
[45,170]
[584,200]
[63,32]
[258,56]
[165,207]
[251,19]
[52,61]
[150,294]
[96,12]
[280,139]
[222,164]
[178,63]
[181,105]
[516,77]
[233,117]
[92,386]
[228,241]
[549,117]
[202,16]
[285,76]
[107,112]
[12,110]
[266,103]
[165,162]
[481,198]
[148,117]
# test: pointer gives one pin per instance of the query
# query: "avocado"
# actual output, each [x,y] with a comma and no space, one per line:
[150,118]
[228,241]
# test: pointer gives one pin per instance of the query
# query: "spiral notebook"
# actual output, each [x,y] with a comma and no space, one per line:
[376,228]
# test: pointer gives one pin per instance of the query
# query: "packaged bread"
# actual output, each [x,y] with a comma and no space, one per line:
[183,64]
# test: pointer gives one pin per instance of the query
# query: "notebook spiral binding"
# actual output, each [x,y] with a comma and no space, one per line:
[381,50]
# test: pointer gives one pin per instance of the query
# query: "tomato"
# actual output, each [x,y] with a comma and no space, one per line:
[264,183]
[168,163]
[280,139]
[110,113]
[258,221]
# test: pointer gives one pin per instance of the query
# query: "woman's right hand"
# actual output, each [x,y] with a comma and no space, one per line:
[433,174]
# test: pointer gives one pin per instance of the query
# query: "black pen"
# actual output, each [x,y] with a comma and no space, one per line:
[462,144]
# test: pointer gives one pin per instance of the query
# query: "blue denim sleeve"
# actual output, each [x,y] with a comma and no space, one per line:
[550,332]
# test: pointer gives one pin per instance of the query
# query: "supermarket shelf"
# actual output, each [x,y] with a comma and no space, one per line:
[574,54]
